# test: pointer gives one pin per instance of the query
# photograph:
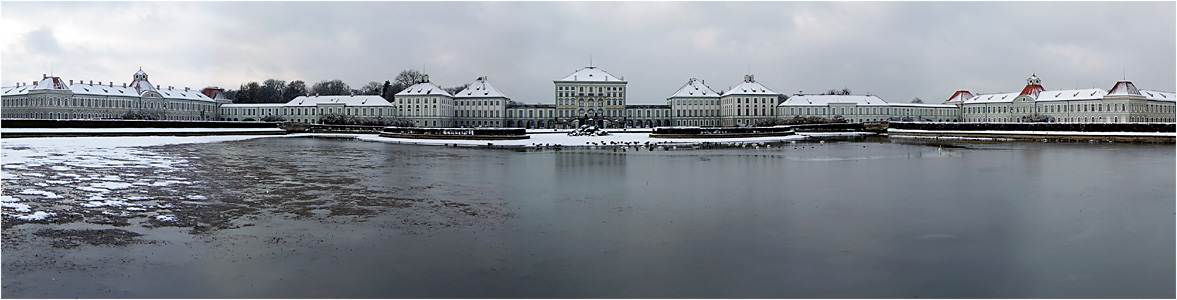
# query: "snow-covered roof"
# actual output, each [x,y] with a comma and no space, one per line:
[480,88]
[750,87]
[15,90]
[1064,95]
[993,98]
[252,105]
[423,89]
[104,90]
[141,86]
[823,100]
[50,83]
[127,91]
[591,74]
[110,90]
[925,105]
[1158,95]
[189,94]
[1124,88]
[959,96]
[357,100]
[695,88]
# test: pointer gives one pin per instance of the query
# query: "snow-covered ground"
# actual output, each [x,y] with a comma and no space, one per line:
[565,140]
[17,151]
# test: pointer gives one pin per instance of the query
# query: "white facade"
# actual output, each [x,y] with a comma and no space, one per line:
[481,104]
[859,108]
[426,104]
[54,98]
[308,109]
[694,104]
[747,103]
[590,93]
[1125,103]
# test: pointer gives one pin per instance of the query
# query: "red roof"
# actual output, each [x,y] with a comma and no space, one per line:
[961,95]
[1032,90]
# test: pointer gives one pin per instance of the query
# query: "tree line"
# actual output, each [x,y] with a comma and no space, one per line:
[280,91]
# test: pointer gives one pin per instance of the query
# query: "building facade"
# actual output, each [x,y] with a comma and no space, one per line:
[481,104]
[590,93]
[694,104]
[860,108]
[310,109]
[587,95]
[1124,103]
[747,103]
[54,98]
[426,104]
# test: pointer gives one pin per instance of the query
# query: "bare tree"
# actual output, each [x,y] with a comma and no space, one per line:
[293,90]
[917,100]
[331,88]
[249,93]
[404,80]
[271,91]
[373,88]
[456,89]
[844,91]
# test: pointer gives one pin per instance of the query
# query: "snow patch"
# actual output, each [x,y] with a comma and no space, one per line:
[37,216]
[111,185]
[16,206]
[166,218]
[112,203]
[47,194]
[92,189]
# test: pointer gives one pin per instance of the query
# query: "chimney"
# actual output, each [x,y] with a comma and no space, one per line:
[111,84]
[71,82]
[124,84]
[43,76]
[91,82]
[157,86]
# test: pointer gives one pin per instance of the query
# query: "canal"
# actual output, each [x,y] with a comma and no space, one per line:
[843,218]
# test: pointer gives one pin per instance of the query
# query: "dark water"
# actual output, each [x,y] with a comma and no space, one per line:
[287,217]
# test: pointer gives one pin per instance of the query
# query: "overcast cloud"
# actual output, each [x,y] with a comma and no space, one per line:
[896,50]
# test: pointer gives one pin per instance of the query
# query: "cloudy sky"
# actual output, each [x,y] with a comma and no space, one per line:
[896,50]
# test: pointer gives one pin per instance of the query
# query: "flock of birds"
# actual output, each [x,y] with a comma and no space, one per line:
[668,146]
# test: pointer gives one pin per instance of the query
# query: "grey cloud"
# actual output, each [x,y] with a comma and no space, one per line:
[41,42]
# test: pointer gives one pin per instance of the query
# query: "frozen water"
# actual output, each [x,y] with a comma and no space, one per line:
[37,216]
[47,194]
[111,185]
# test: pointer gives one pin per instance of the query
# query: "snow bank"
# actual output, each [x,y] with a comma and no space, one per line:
[19,151]
[47,194]
[16,206]
[565,140]
[37,216]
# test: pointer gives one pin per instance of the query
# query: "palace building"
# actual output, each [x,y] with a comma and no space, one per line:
[54,98]
[1124,103]
[587,95]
